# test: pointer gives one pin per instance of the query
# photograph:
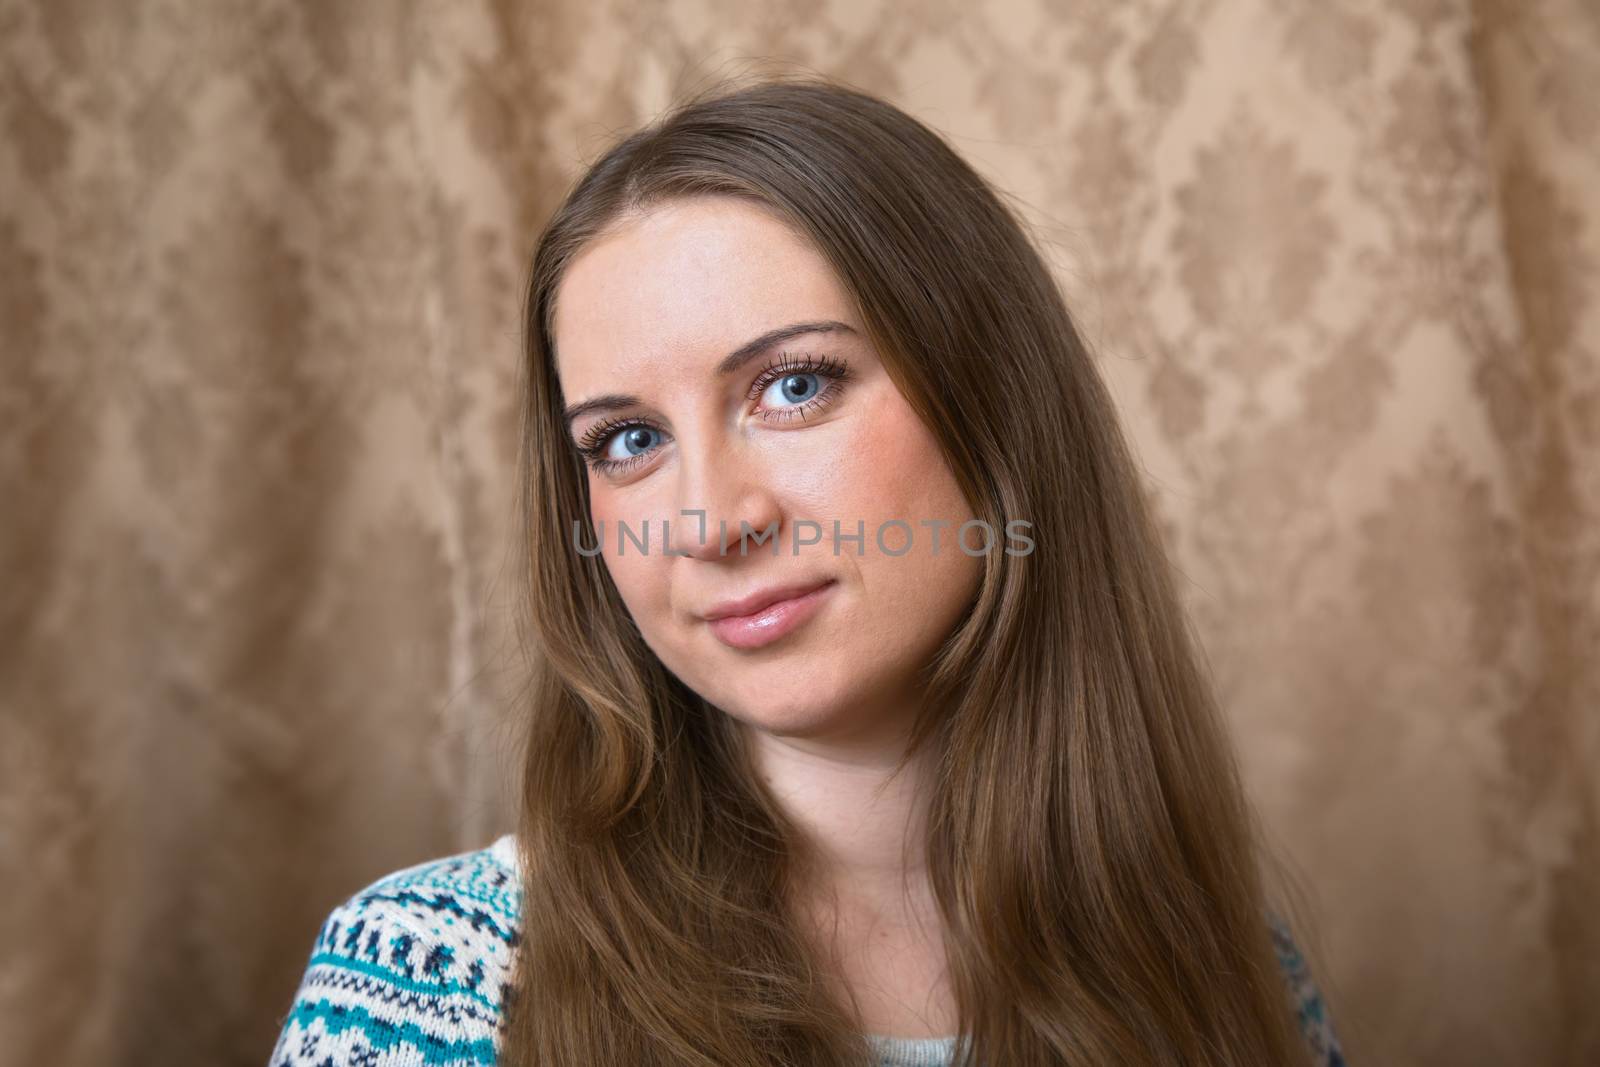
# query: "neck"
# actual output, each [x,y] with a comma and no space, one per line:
[863,830]
[861,891]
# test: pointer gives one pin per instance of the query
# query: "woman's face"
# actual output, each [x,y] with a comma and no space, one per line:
[695,394]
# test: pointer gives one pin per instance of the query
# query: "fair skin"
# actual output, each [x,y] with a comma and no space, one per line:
[644,316]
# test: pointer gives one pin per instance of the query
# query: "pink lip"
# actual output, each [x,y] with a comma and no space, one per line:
[763,618]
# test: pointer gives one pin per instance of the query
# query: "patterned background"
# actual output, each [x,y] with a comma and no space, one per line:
[259,276]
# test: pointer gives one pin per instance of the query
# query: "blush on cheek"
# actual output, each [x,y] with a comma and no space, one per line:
[899,466]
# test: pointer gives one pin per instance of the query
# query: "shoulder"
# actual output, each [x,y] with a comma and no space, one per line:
[1310,1007]
[412,969]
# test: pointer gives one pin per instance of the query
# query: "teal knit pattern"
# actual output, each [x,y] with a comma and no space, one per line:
[413,970]
[410,971]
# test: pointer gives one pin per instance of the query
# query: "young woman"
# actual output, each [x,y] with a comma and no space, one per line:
[866,724]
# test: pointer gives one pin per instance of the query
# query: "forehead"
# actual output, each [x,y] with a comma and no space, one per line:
[687,281]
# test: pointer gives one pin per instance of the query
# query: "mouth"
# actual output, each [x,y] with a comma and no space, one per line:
[765,617]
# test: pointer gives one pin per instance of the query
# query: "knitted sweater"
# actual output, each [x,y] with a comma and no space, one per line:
[412,971]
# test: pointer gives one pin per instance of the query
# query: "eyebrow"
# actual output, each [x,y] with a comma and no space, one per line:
[730,363]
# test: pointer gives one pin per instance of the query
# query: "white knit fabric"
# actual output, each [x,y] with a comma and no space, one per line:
[912,1052]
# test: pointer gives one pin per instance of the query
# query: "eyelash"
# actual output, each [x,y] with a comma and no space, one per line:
[592,445]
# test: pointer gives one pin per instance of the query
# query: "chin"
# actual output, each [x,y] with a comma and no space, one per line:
[799,721]
[812,708]
[781,712]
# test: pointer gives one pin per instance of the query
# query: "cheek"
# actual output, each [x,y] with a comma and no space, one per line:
[640,577]
[893,469]
[897,471]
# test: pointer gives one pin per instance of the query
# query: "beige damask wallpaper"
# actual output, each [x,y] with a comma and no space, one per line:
[259,269]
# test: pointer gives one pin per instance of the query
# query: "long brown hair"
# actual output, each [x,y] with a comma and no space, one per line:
[1090,847]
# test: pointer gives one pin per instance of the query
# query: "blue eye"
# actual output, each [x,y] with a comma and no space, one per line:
[793,388]
[633,441]
[618,445]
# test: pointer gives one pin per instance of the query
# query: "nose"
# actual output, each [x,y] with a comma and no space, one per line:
[720,487]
